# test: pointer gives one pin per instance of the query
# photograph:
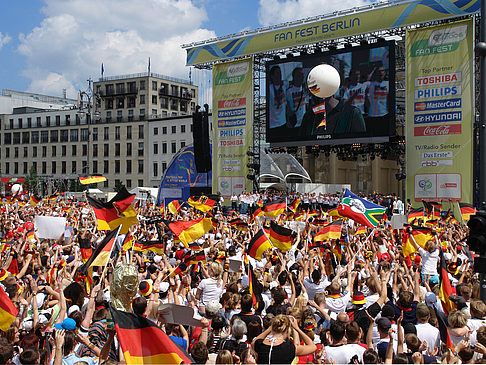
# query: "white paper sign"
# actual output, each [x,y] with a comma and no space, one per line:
[234,265]
[178,314]
[49,227]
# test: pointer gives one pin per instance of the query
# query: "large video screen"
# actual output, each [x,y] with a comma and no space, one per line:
[363,106]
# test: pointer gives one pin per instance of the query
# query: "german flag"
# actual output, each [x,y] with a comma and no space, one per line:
[319,222]
[330,232]
[281,237]
[156,246]
[295,205]
[360,230]
[118,211]
[432,208]
[143,342]
[299,216]
[102,253]
[86,250]
[181,268]
[466,211]
[274,208]
[443,330]
[432,222]
[203,203]
[52,198]
[257,213]
[415,213]
[194,246]
[235,221]
[333,213]
[34,200]
[128,242]
[241,226]
[421,236]
[91,179]
[189,231]
[174,206]
[258,245]
[445,285]
[255,288]
[8,311]
[336,250]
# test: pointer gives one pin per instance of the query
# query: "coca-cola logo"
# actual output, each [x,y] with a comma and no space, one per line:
[437,130]
[231,103]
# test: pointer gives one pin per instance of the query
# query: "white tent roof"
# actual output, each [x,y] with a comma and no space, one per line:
[141,193]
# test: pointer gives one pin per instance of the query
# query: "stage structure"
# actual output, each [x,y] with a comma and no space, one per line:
[368,47]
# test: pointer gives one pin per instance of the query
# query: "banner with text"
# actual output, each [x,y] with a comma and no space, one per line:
[332,26]
[232,126]
[440,111]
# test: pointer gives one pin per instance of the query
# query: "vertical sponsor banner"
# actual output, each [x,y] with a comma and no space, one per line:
[232,125]
[440,111]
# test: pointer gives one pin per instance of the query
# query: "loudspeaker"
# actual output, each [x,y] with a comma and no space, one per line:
[200,136]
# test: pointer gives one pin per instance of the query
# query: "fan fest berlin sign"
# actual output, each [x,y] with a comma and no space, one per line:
[232,126]
[352,22]
[440,112]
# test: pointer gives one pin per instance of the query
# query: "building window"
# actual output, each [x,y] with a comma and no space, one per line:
[25,168]
[26,151]
[156,131]
[183,106]
[131,102]
[44,136]
[84,135]
[106,166]
[54,136]
[48,121]
[95,134]
[34,152]
[164,113]
[129,149]
[117,149]
[7,168]
[16,152]
[63,167]
[106,133]
[34,166]
[95,167]
[68,119]
[16,168]
[173,147]
[110,89]
[64,135]
[142,84]
[109,104]
[84,167]
[108,117]
[74,135]
[95,150]
[29,122]
[129,183]
[130,115]
[7,138]
[44,167]
[78,120]
[16,138]
[73,167]
[164,166]
[129,132]
[105,184]
[173,104]
[183,144]
[156,148]
[120,88]
[53,151]
[53,167]
[7,152]
[73,150]
[154,100]
[140,167]
[25,137]
[140,148]
[85,150]
[164,130]
[164,89]
[174,90]
[119,115]
[156,167]
[174,129]
[106,150]
[140,131]
[117,166]
[63,150]
[164,103]
[117,132]
[183,128]
[58,120]
[142,99]
[140,182]
[164,147]
[142,114]
[129,166]
[34,137]
[11,123]
[154,85]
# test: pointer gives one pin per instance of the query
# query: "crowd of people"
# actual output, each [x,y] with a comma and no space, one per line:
[351,300]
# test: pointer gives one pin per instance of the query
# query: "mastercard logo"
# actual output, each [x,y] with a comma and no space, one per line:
[420,106]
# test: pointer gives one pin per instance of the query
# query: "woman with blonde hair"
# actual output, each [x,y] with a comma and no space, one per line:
[210,288]
[224,357]
[430,257]
[274,346]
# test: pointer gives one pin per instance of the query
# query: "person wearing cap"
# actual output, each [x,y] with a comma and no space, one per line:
[425,331]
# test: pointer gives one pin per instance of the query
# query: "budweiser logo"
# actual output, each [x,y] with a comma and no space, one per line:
[437,130]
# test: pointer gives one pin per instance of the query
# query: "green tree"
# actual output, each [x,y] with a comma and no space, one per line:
[31,180]
[118,186]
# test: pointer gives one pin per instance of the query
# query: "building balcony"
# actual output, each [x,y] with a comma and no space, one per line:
[185,96]
[114,93]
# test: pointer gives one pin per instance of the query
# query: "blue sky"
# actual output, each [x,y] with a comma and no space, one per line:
[48,45]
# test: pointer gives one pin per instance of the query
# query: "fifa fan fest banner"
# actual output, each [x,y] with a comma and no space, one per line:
[232,126]
[440,112]
[341,24]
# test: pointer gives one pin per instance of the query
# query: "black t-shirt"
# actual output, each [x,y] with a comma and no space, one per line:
[361,317]
[247,318]
[281,354]
[278,309]
[232,345]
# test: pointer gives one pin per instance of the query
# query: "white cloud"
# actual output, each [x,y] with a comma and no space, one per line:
[272,12]
[76,36]
[4,39]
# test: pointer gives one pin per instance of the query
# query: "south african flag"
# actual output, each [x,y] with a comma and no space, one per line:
[360,210]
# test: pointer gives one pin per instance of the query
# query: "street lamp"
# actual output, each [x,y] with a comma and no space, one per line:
[88,110]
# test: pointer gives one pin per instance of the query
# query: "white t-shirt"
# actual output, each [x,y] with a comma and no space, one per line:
[428,333]
[342,354]
[338,305]
[210,290]
[429,261]
[313,289]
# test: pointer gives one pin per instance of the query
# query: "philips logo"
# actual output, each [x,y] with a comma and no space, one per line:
[233,132]
[438,92]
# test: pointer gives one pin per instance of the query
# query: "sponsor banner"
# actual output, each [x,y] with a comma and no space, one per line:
[439,156]
[233,106]
[438,117]
[438,92]
[437,130]
[422,106]
[344,23]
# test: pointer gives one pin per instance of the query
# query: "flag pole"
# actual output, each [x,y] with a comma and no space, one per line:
[106,266]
